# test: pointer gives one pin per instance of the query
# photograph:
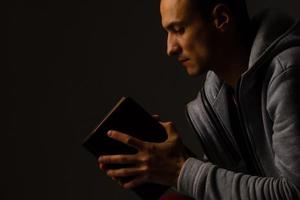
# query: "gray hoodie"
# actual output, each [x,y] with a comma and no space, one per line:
[253,147]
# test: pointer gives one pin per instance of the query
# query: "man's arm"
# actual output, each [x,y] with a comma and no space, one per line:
[207,181]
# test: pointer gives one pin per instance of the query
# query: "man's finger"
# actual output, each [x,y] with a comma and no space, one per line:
[118,159]
[125,172]
[169,126]
[157,117]
[135,182]
[126,139]
[170,129]
[102,166]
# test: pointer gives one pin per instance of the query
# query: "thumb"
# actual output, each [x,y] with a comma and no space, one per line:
[157,117]
[169,127]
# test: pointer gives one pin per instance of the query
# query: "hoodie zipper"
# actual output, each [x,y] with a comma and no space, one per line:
[203,140]
[253,163]
[226,144]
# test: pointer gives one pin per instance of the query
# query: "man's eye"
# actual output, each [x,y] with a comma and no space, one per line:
[179,30]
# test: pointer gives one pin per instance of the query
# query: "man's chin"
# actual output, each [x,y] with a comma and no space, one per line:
[193,71]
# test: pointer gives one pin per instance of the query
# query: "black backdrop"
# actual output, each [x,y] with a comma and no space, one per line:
[69,62]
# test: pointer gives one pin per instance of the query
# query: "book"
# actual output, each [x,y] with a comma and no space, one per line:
[129,117]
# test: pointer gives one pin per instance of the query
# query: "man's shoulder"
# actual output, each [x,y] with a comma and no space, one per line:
[289,58]
[284,61]
[276,33]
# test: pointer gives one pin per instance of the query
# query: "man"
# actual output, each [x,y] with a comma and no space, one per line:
[247,115]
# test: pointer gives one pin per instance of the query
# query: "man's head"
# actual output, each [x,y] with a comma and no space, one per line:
[199,31]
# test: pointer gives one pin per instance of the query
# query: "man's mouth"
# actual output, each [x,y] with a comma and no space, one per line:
[183,60]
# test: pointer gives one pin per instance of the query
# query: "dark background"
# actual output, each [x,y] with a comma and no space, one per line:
[68,63]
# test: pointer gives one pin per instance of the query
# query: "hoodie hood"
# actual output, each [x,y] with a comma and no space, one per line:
[275,32]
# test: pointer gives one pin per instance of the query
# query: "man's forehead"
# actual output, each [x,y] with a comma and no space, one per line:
[174,10]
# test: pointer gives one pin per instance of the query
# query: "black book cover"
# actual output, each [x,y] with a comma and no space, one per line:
[128,117]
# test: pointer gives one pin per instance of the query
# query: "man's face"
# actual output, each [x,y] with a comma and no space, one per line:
[189,36]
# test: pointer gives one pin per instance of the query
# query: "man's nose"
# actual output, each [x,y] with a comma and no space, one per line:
[173,47]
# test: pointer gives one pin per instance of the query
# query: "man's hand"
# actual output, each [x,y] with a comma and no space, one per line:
[155,162]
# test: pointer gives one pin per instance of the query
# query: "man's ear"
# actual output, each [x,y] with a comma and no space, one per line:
[221,16]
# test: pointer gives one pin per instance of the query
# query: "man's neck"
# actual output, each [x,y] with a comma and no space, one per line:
[234,63]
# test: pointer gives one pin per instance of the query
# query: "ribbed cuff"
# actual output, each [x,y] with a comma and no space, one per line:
[189,176]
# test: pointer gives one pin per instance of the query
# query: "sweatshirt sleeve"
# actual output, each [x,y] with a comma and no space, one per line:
[205,181]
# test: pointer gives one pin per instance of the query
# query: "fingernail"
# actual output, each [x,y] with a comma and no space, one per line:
[109,133]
